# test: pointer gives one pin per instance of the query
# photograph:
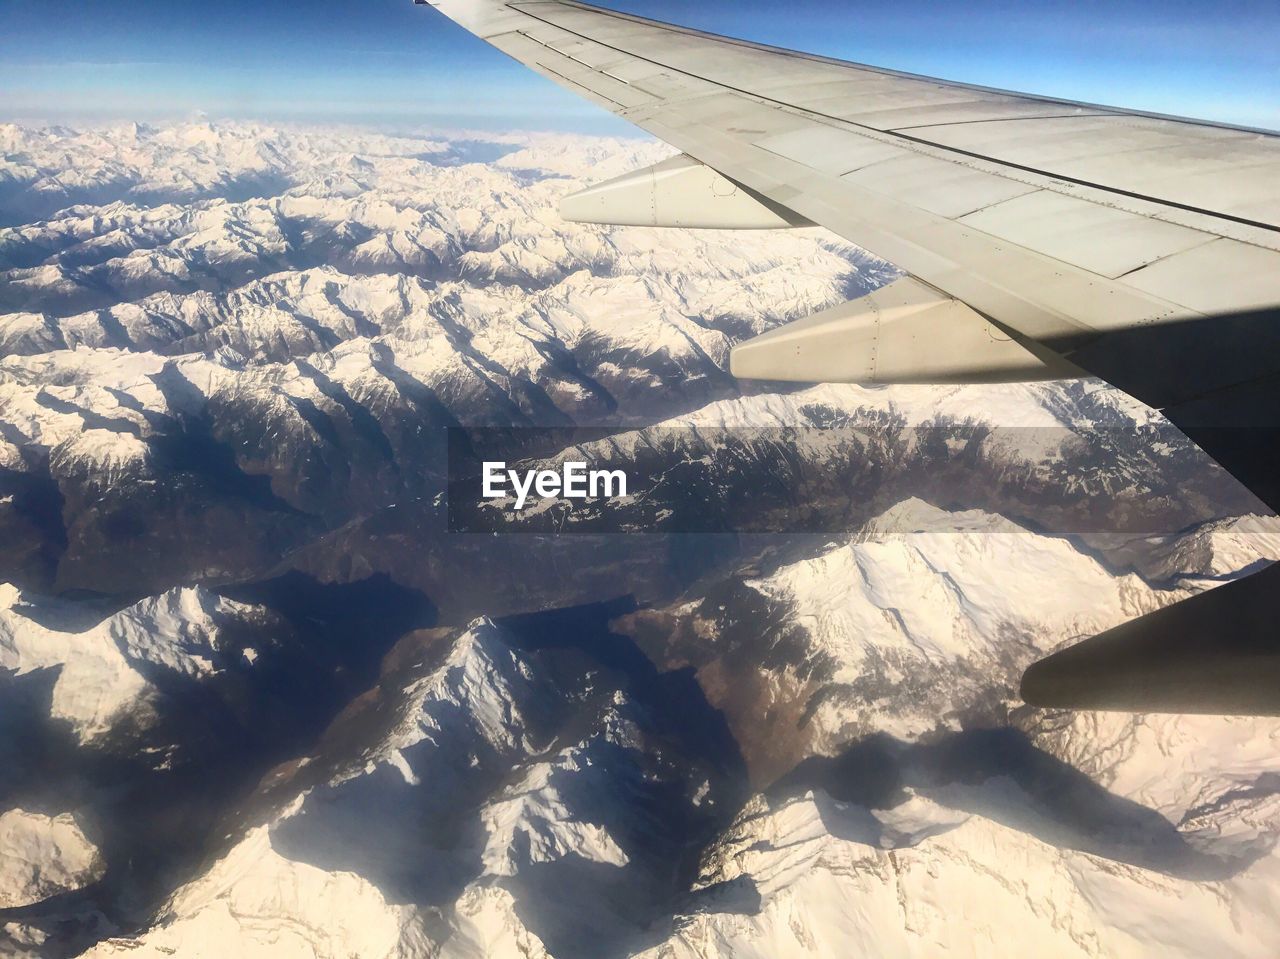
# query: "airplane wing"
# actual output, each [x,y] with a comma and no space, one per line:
[1041,237]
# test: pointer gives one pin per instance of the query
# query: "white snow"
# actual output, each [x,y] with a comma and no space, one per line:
[42,855]
[257,904]
[836,879]
[430,267]
[101,667]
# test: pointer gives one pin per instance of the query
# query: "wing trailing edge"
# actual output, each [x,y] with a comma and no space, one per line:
[905,332]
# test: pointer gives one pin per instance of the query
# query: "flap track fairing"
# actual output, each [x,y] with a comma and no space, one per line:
[679,192]
[905,332]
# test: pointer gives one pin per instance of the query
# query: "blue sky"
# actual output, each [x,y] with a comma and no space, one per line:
[383,61]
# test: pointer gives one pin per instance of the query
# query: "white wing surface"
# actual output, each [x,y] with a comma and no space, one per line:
[1042,237]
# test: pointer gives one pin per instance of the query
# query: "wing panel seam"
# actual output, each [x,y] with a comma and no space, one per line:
[1118,191]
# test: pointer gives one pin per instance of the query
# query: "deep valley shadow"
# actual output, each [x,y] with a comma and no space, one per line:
[1000,775]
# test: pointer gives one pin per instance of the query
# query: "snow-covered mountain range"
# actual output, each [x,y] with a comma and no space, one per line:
[256,700]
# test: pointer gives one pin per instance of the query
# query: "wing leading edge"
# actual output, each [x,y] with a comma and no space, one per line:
[1142,249]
